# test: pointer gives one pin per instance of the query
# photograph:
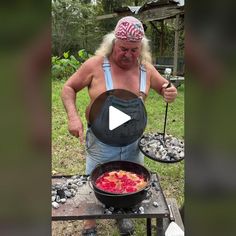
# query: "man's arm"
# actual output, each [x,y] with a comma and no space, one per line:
[80,79]
[159,84]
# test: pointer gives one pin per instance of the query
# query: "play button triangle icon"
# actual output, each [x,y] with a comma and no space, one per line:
[117,118]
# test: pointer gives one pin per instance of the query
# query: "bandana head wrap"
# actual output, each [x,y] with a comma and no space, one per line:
[130,29]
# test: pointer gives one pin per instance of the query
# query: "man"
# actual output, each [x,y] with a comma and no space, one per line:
[125,52]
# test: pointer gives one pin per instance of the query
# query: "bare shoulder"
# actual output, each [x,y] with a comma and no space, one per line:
[156,79]
[84,75]
[152,73]
[92,62]
[149,67]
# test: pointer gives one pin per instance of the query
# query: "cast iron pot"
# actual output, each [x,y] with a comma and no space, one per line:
[126,200]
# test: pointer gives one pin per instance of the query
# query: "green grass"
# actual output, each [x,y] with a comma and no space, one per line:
[68,156]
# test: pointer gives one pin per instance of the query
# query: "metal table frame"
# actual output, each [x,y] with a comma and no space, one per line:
[84,205]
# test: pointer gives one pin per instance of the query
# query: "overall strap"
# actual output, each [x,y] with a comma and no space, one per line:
[142,79]
[107,73]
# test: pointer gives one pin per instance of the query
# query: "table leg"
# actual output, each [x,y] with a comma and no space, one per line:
[149,227]
[160,230]
[162,225]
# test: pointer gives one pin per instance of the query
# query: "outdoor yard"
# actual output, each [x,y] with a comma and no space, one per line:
[68,155]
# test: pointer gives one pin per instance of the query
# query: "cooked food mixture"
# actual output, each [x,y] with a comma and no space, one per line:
[120,181]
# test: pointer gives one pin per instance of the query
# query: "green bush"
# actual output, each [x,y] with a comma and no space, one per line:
[63,68]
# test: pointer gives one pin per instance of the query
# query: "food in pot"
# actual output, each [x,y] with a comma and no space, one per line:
[120,181]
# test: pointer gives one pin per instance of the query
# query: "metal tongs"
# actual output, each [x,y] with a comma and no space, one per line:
[167,76]
[168,157]
[164,131]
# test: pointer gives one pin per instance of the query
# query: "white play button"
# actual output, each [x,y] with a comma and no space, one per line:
[117,118]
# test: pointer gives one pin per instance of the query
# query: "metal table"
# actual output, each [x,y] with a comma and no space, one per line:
[84,205]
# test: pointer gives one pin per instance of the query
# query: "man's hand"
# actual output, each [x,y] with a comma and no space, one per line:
[75,127]
[169,93]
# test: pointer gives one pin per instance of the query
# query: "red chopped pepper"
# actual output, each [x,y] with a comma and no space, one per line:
[120,182]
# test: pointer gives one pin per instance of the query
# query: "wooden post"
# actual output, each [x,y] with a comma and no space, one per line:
[176,45]
[162,38]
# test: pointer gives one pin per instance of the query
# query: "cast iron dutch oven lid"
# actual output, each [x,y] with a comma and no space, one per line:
[169,150]
[162,147]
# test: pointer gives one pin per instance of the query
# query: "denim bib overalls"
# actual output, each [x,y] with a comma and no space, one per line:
[98,152]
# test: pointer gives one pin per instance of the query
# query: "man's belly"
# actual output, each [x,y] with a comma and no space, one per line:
[87,112]
[102,99]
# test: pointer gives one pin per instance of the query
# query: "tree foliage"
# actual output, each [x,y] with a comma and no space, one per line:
[63,67]
[74,26]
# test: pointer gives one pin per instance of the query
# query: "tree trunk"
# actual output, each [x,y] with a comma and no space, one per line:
[176,45]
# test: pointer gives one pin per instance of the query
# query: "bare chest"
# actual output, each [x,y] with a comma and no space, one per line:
[128,80]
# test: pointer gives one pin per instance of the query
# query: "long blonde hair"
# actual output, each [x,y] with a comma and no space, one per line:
[105,48]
